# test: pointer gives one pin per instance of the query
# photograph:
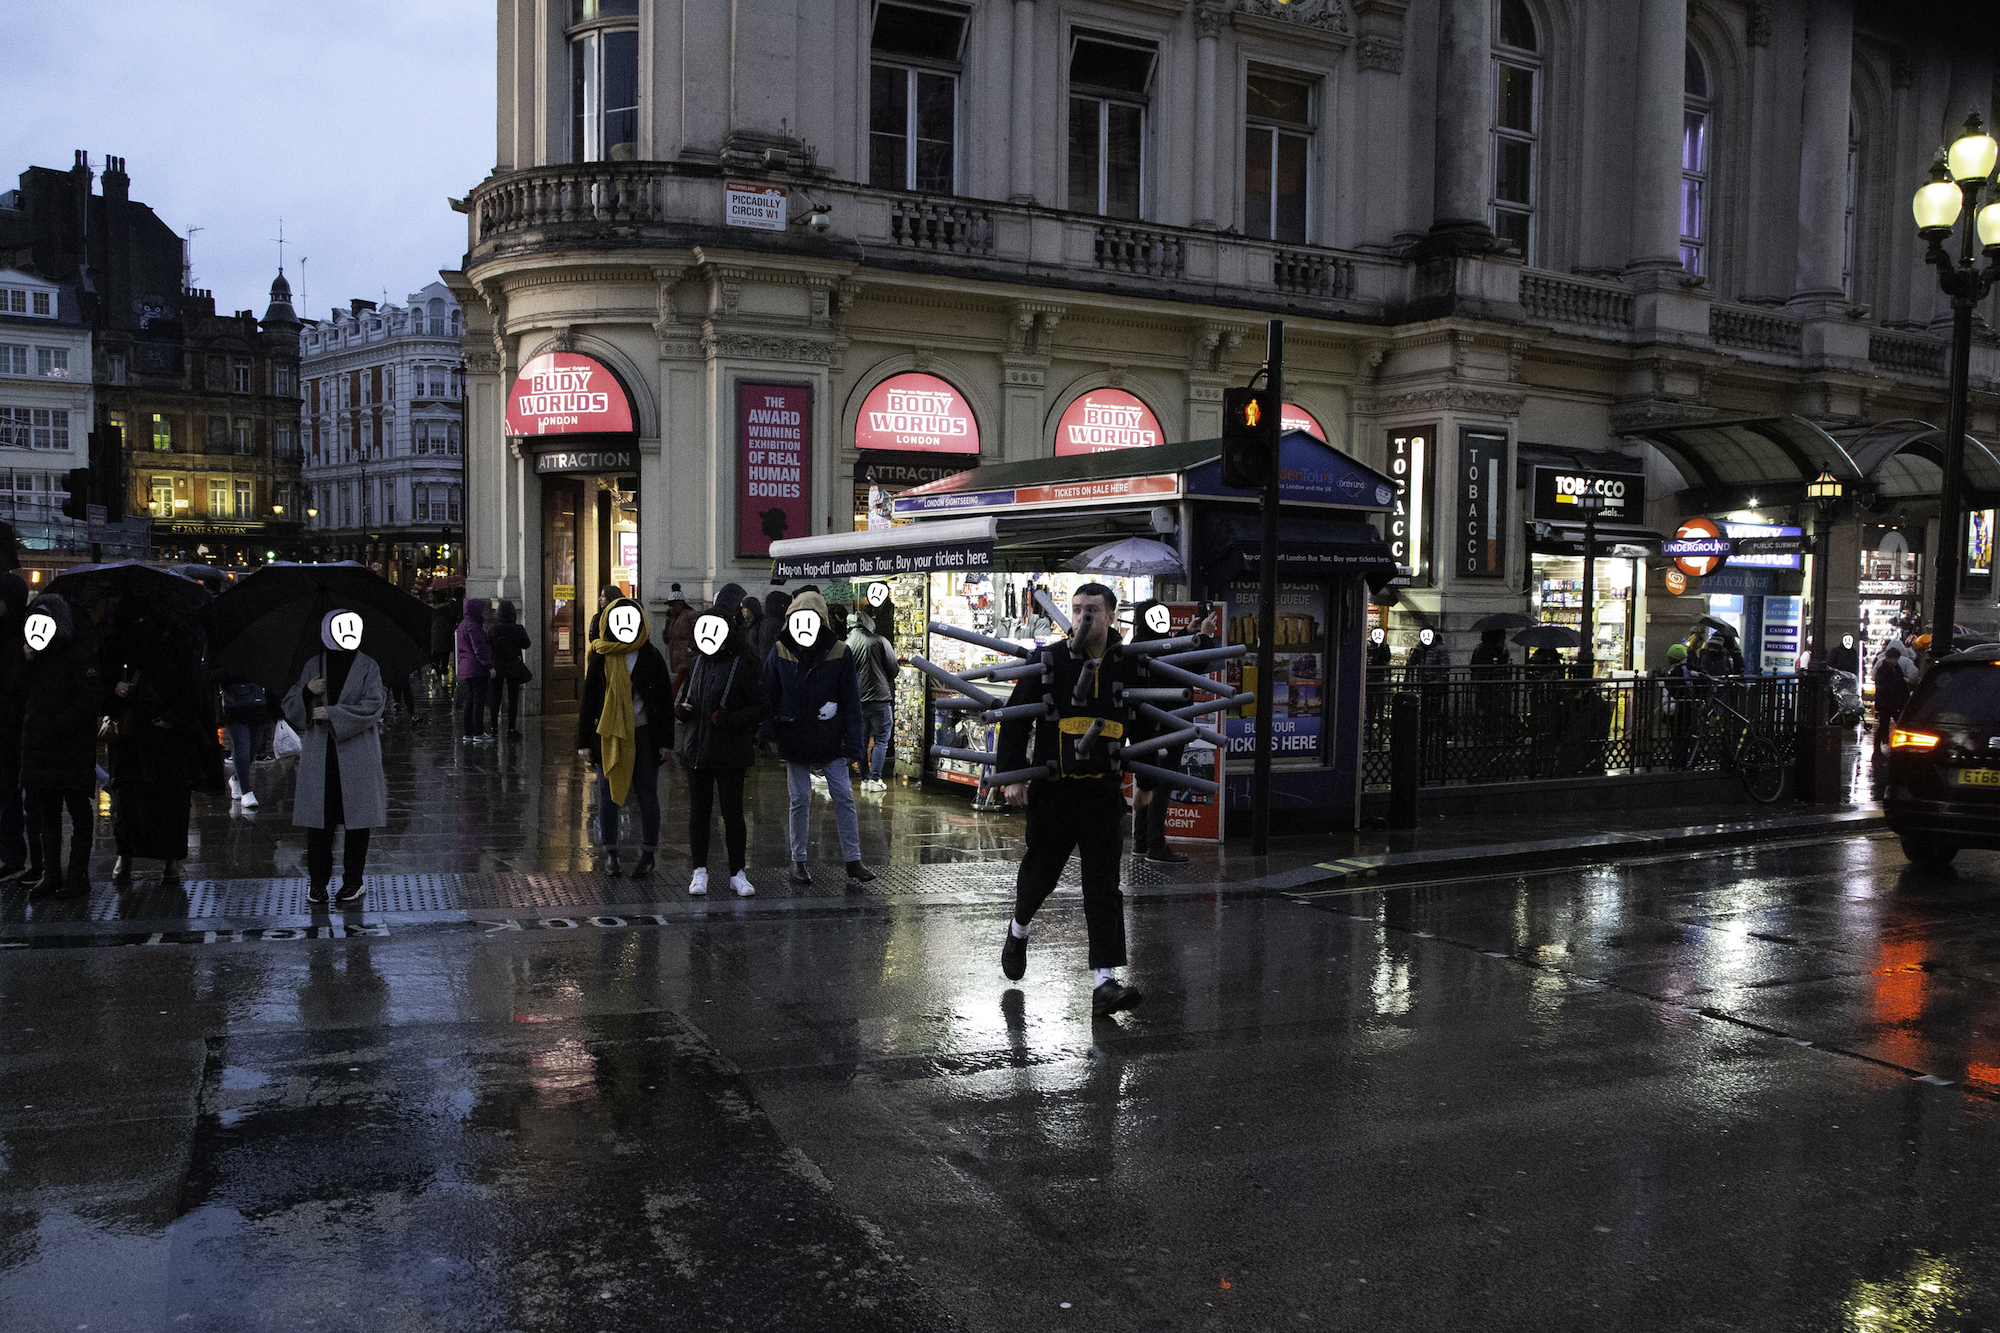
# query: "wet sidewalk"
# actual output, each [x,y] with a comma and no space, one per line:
[483,827]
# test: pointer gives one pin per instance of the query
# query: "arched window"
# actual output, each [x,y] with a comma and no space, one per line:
[604,80]
[1847,237]
[1694,166]
[1517,78]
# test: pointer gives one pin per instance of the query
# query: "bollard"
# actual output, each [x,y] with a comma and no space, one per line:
[1404,759]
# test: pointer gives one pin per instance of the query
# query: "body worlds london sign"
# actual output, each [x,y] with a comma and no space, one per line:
[916,414]
[567,393]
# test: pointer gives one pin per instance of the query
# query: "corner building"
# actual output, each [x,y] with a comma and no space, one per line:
[818,254]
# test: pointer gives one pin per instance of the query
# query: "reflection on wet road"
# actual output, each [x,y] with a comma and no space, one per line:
[1751,1091]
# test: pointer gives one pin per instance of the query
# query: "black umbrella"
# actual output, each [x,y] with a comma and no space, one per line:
[1503,620]
[10,557]
[91,585]
[266,627]
[1722,627]
[1960,642]
[1549,636]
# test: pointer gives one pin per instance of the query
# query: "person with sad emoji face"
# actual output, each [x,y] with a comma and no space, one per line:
[625,728]
[336,707]
[719,702]
[815,726]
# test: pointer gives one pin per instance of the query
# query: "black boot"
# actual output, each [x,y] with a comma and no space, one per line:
[644,866]
[170,876]
[1141,828]
[1160,854]
[610,862]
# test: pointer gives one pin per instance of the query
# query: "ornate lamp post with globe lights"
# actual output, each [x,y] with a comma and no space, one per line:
[1957,180]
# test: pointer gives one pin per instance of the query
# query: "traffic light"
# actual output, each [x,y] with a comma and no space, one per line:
[107,469]
[77,482]
[1249,437]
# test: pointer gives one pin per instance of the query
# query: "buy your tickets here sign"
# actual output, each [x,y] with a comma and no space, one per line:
[774,496]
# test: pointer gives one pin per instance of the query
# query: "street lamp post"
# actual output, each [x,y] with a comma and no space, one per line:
[1590,501]
[1824,491]
[1956,182]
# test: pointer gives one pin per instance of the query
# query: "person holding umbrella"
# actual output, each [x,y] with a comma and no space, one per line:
[57,700]
[336,706]
[20,837]
[163,733]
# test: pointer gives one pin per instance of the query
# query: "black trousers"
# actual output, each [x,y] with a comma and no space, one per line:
[1080,815]
[703,784]
[49,807]
[319,855]
[496,688]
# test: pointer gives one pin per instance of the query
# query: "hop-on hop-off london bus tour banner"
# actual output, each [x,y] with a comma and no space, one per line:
[774,495]
[1195,815]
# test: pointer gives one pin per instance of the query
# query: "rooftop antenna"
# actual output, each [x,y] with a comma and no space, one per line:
[303,260]
[187,259]
[281,247]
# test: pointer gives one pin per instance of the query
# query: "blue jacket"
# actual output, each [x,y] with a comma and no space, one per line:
[798,685]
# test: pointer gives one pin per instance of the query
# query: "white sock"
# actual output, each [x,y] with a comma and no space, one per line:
[1017,930]
[1103,975]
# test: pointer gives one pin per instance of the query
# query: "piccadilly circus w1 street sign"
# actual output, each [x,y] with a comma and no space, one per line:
[1698,548]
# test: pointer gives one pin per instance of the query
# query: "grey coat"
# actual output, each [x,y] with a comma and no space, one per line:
[354,722]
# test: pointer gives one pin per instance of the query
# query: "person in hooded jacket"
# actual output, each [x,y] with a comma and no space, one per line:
[719,701]
[336,706]
[510,643]
[57,699]
[625,728]
[679,631]
[875,666]
[815,726]
[20,837]
[771,623]
[475,670]
[163,733]
[1895,677]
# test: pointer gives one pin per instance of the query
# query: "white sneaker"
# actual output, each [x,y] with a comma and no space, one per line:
[699,884]
[741,883]
[249,800]
[235,792]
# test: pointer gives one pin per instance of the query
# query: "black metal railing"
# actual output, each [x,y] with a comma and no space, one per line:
[1513,726]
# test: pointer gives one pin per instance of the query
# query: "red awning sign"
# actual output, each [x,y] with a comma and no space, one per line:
[917,414]
[567,393]
[1292,417]
[1106,419]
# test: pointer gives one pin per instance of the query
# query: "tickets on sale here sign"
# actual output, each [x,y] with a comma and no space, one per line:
[567,393]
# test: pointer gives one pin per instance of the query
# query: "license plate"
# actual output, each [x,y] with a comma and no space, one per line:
[1979,777]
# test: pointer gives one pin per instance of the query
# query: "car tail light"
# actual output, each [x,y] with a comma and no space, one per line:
[1899,739]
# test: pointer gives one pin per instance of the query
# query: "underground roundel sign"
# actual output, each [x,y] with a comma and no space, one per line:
[1712,547]
[567,393]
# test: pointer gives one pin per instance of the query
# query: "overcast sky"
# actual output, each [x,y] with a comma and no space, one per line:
[353,120]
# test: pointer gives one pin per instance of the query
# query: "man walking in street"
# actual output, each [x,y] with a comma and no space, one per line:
[875,665]
[1080,805]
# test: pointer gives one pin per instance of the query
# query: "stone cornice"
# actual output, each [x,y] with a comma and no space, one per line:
[719,344]
[1444,398]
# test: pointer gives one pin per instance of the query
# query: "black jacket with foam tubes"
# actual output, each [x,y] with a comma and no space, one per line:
[1077,738]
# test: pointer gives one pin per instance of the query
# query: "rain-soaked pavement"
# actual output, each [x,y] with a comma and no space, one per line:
[1737,1090]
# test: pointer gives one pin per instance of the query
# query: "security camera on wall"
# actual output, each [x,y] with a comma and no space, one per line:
[819,222]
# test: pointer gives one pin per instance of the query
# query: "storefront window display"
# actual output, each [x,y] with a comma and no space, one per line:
[1298,670]
[1891,595]
[1556,598]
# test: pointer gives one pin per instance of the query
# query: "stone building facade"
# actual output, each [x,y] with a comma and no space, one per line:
[1542,223]
[383,429]
[45,410]
[207,403]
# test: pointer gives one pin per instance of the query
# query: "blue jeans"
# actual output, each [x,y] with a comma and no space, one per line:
[880,719]
[798,782]
[645,787]
[242,750]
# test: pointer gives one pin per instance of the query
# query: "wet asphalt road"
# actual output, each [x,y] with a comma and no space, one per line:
[1727,1092]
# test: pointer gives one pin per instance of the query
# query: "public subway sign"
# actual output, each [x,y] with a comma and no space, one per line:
[774,464]
[916,414]
[1557,491]
[1106,419]
[567,393]
[1477,545]
[1408,453]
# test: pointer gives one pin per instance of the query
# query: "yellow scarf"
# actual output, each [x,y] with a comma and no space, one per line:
[615,727]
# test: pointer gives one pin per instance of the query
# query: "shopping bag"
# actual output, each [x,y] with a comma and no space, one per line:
[284,740]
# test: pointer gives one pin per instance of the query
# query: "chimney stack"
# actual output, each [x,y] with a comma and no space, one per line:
[117,185]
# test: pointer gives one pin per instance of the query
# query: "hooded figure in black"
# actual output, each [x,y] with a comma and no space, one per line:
[1149,801]
[510,644]
[719,701]
[57,699]
[20,837]
[336,707]
[163,730]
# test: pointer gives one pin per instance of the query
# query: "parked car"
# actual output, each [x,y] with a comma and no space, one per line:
[1943,782]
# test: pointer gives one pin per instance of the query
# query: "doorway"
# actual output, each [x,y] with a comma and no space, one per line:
[562,646]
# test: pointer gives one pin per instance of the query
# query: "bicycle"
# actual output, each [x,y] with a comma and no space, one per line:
[1742,746]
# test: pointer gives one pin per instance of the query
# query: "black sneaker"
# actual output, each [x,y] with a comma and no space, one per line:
[316,894]
[351,894]
[48,886]
[73,888]
[610,863]
[1111,996]
[1163,855]
[800,875]
[858,872]
[644,867]
[1014,955]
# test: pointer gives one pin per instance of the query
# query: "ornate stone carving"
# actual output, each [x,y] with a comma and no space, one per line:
[1021,377]
[1757,23]
[1447,398]
[1322,15]
[765,347]
[1210,20]
[563,340]
[1214,343]
[482,363]
[1033,328]
[1380,53]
